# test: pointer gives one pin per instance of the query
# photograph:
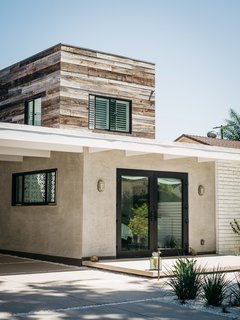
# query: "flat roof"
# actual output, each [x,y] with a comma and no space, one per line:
[24,140]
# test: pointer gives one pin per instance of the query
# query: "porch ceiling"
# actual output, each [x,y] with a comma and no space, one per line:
[18,140]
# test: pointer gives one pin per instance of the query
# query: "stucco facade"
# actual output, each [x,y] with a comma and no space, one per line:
[99,216]
[83,222]
[47,230]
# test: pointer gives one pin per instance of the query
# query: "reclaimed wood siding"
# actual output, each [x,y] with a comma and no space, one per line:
[85,72]
[20,82]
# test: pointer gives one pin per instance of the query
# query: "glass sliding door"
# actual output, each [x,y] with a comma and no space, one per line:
[169,213]
[152,212]
[134,213]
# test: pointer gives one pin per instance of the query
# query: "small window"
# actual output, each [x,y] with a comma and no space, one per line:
[34,188]
[33,112]
[109,114]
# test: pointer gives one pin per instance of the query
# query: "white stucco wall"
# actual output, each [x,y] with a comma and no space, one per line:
[49,230]
[227,205]
[99,208]
[83,222]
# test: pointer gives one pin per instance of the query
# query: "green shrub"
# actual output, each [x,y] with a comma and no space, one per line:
[235,226]
[235,292]
[186,280]
[214,288]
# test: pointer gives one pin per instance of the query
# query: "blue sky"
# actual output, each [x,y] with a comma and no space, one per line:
[194,43]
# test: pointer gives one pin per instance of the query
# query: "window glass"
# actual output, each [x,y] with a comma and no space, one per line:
[33,112]
[109,114]
[18,189]
[30,112]
[51,186]
[37,112]
[34,188]
[134,213]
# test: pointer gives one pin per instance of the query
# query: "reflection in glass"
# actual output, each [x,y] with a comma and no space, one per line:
[134,213]
[169,213]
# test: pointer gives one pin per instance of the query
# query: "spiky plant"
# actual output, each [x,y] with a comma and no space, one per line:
[235,291]
[235,226]
[186,279]
[214,288]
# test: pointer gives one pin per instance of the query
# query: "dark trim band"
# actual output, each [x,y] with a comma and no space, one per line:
[43,257]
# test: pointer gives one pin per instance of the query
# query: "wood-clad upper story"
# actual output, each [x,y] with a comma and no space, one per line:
[81,88]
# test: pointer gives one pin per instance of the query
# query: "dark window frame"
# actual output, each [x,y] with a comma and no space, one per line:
[23,174]
[153,196]
[109,124]
[40,95]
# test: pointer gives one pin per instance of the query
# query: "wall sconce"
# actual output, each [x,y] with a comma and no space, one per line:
[201,190]
[100,185]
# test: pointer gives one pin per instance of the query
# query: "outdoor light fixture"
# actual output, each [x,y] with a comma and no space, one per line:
[100,185]
[201,190]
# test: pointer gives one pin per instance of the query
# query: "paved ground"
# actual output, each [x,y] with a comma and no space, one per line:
[141,266]
[52,291]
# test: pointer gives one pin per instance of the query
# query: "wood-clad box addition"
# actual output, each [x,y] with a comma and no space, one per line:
[37,76]
[67,78]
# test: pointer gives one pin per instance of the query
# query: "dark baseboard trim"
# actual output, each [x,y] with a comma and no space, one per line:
[100,258]
[44,257]
[205,253]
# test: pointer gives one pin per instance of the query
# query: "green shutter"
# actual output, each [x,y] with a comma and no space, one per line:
[113,124]
[101,113]
[122,120]
[91,112]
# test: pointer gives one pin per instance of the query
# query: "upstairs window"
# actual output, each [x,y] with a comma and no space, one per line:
[109,114]
[33,111]
[34,188]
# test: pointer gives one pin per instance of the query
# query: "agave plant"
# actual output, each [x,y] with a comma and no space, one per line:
[186,280]
[215,288]
[235,291]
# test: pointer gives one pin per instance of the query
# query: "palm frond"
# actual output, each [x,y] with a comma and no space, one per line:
[232,129]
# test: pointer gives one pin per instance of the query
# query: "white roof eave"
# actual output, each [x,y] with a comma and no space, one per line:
[73,140]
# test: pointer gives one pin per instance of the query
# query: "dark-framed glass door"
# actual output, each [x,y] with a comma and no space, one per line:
[152,212]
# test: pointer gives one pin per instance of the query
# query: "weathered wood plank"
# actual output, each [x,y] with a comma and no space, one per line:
[106,88]
[142,79]
[106,56]
[105,64]
[68,75]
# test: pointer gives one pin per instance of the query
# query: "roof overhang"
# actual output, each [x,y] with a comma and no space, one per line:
[17,141]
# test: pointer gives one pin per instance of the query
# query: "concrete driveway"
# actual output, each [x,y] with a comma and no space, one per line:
[42,290]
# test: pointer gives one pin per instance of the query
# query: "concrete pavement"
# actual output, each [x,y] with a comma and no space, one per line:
[82,293]
[226,263]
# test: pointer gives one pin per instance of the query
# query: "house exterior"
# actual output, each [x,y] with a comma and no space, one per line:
[81,173]
[62,86]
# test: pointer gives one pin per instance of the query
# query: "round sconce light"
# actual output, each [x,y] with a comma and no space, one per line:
[201,190]
[100,185]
